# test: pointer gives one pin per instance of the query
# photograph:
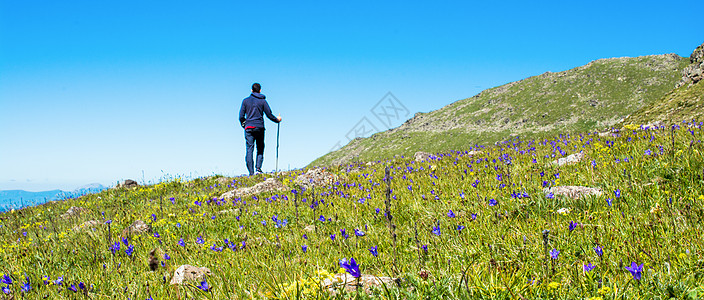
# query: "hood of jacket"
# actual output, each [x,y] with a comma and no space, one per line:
[258,95]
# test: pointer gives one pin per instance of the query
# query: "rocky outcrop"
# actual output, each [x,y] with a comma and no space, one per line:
[138,227]
[570,159]
[129,183]
[316,177]
[270,184]
[422,156]
[188,273]
[573,192]
[72,212]
[695,71]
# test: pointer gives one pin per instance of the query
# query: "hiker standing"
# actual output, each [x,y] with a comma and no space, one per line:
[252,120]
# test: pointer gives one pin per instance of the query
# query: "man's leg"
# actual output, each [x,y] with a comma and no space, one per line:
[259,137]
[249,140]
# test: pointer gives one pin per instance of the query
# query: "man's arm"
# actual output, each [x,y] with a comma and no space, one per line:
[242,118]
[268,113]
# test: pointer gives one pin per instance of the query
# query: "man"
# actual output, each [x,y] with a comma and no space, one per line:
[252,114]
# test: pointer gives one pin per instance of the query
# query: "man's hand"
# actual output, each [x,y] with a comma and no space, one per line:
[279,117]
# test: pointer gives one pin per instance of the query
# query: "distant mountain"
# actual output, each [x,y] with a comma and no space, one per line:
[10,199]
[597,95]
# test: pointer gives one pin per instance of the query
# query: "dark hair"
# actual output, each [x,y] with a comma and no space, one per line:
[256,87]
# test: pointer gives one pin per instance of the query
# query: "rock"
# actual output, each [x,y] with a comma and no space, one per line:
[695,71]
[188,273]
[72,212]
[225,180]
[316,177]
[270,184]
[573,192]
[473,153]
[422,156]
[365,282]
[129,183]
[229,211]
[138,227]
[309,228]
[571,159]
[87,225]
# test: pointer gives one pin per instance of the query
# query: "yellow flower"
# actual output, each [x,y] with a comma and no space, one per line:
[604,290]
[553,285]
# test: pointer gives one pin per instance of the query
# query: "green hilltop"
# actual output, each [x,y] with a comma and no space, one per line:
[597,95]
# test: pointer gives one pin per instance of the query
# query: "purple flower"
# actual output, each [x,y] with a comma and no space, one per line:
[550,195]
[156,235]
[460,227]
[572,226]
[197,202]
[125,241]
[181,242]
[609,201]
[617,193]
[425,248]
[598,250]
[200,240]
[332,237]
[153,217]
[81,285]
[129,250]
[374,251]
[115,247]
[204,286]
[73,288]
[493,202]
[450,214]
[173,201]
[6,289]
[26,287]
[588,267]
[554,253]
[321,218]
[635,270]
[304,248]
[436,230]
[593,163]
[474,216]
[166,256]
[6,279]
[648,152]
[358,232]
[351,267]
[59,281]
[216,248]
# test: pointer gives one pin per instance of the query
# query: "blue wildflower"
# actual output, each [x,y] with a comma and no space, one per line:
[304,248]
[351,267]
[493,202]
[598,250]
[436,230]
[554,253]
[6,279]
[6,289]
[635,270]
[374,251]
[204,286]
[200,240]
[129,250]
[573,225]
[588,267]
[450,214]
[181,242]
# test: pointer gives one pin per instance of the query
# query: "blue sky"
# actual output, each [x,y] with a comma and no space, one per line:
[99,92]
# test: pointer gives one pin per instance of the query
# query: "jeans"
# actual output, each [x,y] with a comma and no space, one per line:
[254,136]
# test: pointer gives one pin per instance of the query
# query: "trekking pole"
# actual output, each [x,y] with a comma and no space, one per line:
[278,125]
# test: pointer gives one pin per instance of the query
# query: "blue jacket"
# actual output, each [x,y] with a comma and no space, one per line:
[252,109]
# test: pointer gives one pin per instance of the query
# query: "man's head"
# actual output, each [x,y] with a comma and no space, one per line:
[256,88]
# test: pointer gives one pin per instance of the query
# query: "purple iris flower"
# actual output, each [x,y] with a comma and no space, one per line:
[153,217]
[588,267]
[129,250]
[460,227]
[554,253]
[436,230]
[26,287]
[59,281]
[332,237]
[450,214]
[204,286]
[321,218]
[493,202]
[156,235]
[425,248]
[216,248]
[572,226]
[351,267]
[609,201]
[598,250]
[617,193]
[550,195]
[304,248]
[474,216]
[358,232]
[6,289]
[166,256]
[374,251]
[73,288]
[181,242]
[6,279]
[200,240]
[635,270]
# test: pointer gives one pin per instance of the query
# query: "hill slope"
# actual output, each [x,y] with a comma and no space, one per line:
[685,102]
[598,94]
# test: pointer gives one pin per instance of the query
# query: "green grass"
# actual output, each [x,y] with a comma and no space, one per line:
[685,102]
[595,96]
[657,221]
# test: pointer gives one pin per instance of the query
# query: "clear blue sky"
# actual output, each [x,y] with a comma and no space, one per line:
[96,91]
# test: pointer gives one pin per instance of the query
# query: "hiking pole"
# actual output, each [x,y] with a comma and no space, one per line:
[278,125]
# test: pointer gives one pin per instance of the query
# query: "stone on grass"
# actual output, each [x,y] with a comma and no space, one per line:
[570,159]
[270,184]
[138,227]
[573,192]
[188,273]
[316,177]
[72,212]
[129,183]
[422,156]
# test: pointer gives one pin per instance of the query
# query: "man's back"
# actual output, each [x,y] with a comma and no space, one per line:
[253,110]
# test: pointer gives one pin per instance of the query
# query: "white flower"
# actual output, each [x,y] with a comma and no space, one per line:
[563,211]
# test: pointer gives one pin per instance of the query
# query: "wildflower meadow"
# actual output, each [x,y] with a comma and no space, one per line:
[485,221]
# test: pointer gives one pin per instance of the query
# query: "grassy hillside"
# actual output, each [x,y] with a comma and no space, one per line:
[683,103]
[596,95]
[466,226]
